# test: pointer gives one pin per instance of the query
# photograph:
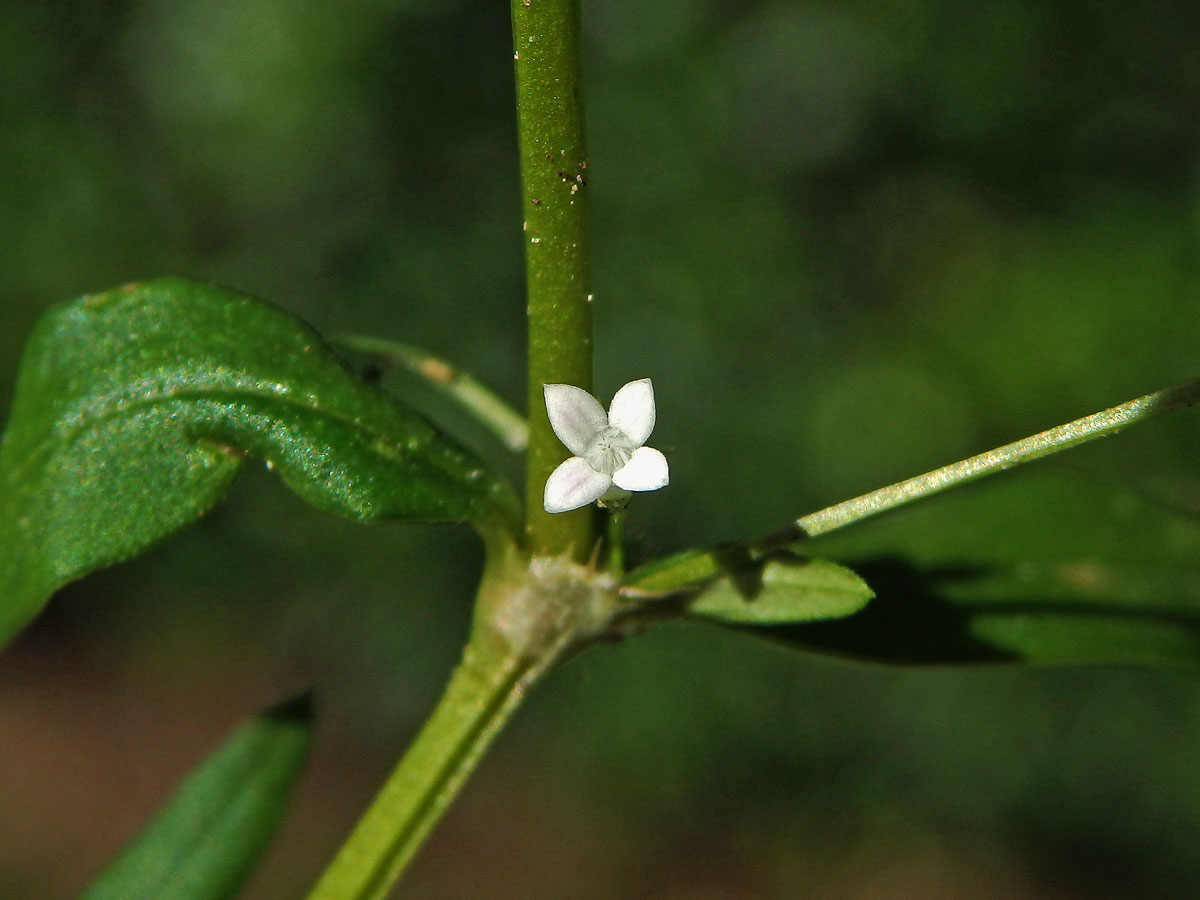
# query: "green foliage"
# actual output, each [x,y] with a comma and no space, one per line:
[730,584]
[1045,568]
[937,254]
[781,590]
[135,408]
[205,840]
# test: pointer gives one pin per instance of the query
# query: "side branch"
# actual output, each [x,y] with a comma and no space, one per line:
[1054,440]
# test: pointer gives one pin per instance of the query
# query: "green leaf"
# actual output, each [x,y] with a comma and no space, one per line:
[134,410]
[729,584]
[781,590]
[689,569]
[205,841]
[1044,568]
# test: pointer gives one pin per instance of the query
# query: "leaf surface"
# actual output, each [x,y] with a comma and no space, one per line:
[783,590]
[135,409]
[730,585]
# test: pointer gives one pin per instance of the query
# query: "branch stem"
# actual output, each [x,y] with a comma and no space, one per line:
[1037,446]
[484,404]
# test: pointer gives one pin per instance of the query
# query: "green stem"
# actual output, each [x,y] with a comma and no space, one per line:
[1055,440]
[616,543]
[485,405]
[482,694]
[518,635]
[520,630]
[554,179]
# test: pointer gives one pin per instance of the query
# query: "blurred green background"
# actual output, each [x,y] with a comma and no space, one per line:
[850,241]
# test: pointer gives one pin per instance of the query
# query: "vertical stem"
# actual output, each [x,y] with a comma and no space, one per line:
[496,674]
[554,190]
[486,688]
[511,647]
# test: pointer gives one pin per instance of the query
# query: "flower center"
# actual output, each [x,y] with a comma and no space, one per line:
[610,450]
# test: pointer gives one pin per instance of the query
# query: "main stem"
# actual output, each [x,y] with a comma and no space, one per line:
[496,671]
[554,190]
[484,691]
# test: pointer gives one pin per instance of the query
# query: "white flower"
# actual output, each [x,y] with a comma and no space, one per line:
[609,448]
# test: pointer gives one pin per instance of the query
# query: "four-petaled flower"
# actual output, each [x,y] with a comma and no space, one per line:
[610,453]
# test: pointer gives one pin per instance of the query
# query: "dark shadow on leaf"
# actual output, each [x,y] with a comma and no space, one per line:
[908,621]
[743,571]
[913,619]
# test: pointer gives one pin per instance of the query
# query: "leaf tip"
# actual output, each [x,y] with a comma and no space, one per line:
[301,708]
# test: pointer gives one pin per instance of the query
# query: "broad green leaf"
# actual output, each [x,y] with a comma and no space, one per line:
[728,584]
[206,839]
[135,408]
[1045,567]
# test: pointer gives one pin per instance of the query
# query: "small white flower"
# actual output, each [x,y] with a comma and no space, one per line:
[610,453]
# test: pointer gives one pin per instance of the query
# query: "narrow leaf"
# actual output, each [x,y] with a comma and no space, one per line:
[134,410]
[688,569]
[205,841]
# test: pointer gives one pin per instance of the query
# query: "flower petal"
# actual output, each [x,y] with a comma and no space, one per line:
[632,410]
[572,485]
[575,415]
[646,471]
